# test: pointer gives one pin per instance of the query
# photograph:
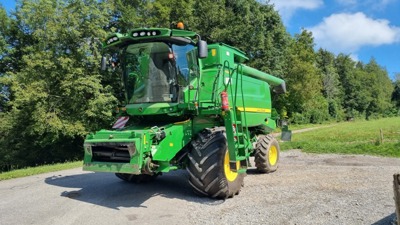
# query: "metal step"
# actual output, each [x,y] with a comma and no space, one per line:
[239,134]
[241,146]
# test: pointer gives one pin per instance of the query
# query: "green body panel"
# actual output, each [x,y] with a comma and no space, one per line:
[247,88]
[116,138]
[158,134]
[151,108]
[177,136]
[132,167]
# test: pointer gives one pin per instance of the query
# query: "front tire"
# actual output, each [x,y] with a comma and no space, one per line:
[209,172]
[266,156]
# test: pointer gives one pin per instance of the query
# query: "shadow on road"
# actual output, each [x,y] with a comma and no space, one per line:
[389,220]
[105,189]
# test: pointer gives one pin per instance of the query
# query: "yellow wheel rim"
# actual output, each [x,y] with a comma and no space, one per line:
[273,155]
[230,175]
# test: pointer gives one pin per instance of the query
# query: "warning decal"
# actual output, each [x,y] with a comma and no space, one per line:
[121,122]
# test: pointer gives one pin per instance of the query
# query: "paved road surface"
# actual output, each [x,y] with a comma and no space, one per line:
[306,189]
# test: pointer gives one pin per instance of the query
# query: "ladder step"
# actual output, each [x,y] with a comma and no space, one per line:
[242,170]
[239,134]
[238,158]
[241,146]
[241,158]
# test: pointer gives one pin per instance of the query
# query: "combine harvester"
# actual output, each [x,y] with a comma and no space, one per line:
[189,106]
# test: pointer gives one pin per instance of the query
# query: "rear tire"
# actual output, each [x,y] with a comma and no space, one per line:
[209,172]
[141,178]
[266,156]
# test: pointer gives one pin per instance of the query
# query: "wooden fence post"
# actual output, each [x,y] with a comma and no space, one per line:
[396,188]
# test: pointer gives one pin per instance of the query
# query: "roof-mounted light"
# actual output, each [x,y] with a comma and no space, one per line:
[145,33]
[112,40]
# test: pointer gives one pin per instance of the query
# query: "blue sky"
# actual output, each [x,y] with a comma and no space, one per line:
[360,28]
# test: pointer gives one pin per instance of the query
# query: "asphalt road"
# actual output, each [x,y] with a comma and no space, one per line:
[306,189]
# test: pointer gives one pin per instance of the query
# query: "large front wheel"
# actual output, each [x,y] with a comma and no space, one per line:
[209,170]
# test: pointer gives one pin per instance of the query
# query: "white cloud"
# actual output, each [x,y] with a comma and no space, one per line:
[347,33]
[287,8]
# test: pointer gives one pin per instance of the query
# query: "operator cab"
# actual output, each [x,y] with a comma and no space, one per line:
[156,72]
[158,68]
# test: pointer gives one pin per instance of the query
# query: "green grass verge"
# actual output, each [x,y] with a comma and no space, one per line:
[358,137]
[39,169]
[305,126]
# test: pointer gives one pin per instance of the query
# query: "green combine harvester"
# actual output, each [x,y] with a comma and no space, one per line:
[189,106]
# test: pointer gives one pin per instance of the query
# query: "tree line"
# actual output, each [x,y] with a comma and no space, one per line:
[52,92]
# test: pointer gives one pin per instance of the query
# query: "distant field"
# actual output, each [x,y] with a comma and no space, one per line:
[39,169]
[356,137]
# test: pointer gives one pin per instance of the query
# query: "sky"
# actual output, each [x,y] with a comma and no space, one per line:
[363,29]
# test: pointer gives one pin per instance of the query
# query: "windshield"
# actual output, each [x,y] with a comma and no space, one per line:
[155,72]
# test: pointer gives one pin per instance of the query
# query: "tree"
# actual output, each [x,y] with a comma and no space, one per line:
[128,14]
[304,102]
[3,53]
[166,13]
[210,19]
[367,88]
[345,67]
[250,26]
[381,89]
[396,92]
[58,96]
[330,80]
[4,24]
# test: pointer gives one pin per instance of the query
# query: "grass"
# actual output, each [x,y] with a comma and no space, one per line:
[304,126]
[39,170]
[357,137]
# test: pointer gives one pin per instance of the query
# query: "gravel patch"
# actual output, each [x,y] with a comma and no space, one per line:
[311,189]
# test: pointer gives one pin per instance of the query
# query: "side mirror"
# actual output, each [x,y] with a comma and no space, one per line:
[103,63]
[203,49]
